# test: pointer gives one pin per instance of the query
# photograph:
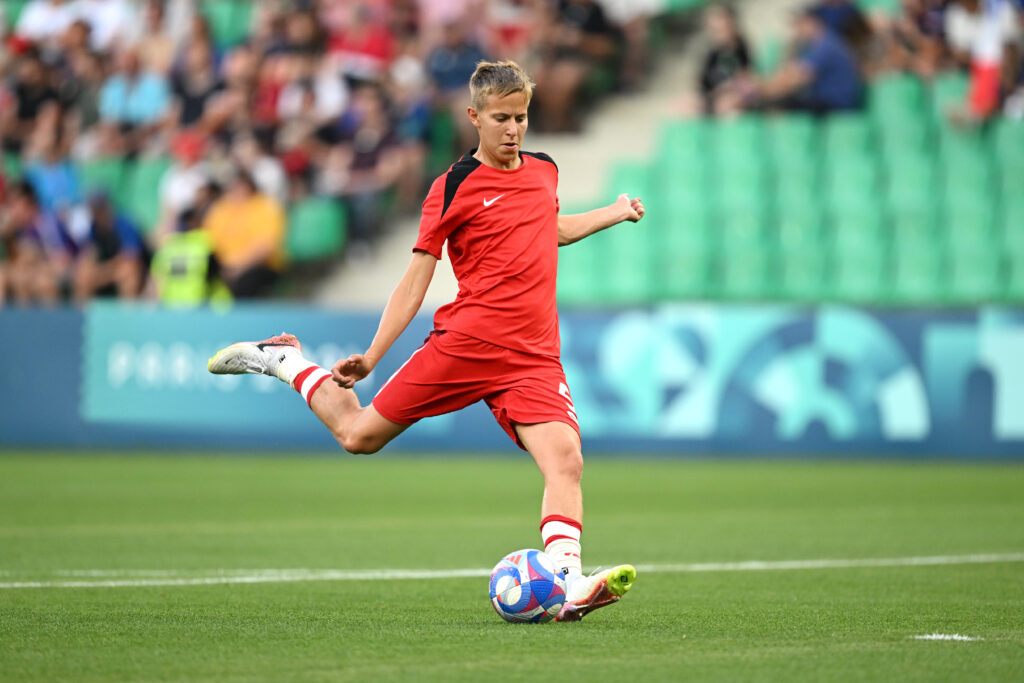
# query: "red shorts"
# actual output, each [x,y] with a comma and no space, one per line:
[453,370]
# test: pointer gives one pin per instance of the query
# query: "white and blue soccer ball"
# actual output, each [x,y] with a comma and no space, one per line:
[527,587]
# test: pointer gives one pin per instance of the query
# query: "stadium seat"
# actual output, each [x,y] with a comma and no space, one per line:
[685,138]
[12,11]
[803,272]
[1012,229]
[11,166]
[230,20]
[895,93]
[317,230]
[1013,284]
[739,136]
[106,175]
[975,274]
[846,134]
[577,273]
[747,275]
[792,133]
[917,271]
[858,274]
[1008,147]
[144,191]
[949,89]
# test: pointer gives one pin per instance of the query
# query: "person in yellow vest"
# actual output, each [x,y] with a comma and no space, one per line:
[247,230]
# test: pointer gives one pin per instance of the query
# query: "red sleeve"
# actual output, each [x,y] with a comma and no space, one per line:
[433,229]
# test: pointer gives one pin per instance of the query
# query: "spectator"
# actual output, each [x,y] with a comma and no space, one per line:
[110,262]
[39,250]
[988,39]
[53,178]
[821,78]
[450,65]
[156,46]
[844,19]
[181,183]
[964,20]
[133,103]
[364,166]
[34,98]
[114,23]
[915,38]
[727,60]
[246,229]
[360,44]
[184,269]
[43,22]
[577,40]
[252,152]
[194,83]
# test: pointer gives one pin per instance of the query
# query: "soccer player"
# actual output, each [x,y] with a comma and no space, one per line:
[497,207]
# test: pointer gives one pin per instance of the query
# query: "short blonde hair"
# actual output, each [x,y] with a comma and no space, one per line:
[498,78]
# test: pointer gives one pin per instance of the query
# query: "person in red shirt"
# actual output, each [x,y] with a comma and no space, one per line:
[497,209]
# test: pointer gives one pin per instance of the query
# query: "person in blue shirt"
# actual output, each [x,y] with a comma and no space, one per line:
[133,102]
[822,77]
[110,262]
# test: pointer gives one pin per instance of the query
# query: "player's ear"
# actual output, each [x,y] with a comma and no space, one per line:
[474,116]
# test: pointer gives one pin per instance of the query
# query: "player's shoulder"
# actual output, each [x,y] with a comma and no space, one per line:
[542,156]
[447,184]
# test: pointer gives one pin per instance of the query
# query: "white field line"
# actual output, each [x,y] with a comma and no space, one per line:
[142,578]
[946,636]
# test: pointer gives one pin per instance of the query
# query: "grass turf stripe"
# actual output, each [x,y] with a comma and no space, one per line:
[144,578]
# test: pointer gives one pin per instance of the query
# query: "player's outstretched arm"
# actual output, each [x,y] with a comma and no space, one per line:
[574,227]
[403,304]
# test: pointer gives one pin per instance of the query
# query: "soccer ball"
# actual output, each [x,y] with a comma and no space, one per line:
[526,587]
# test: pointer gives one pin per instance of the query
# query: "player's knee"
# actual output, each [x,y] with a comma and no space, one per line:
[359,444]
[569,463]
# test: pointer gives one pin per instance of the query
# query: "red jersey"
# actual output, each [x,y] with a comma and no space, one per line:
[502,233]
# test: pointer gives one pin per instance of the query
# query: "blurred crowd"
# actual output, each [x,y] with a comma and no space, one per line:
[836,47]
[257,107]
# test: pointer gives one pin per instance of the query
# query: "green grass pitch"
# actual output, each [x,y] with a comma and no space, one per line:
[88,519]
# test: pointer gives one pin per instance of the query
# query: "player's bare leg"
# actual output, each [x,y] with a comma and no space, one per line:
[555,447]
[358,429]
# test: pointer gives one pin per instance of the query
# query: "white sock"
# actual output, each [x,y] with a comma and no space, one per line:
[561,537]
[291,363]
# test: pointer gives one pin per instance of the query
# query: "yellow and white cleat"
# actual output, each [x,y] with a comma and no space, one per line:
[584,594]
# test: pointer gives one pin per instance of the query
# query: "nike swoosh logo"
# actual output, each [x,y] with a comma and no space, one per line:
[488,202]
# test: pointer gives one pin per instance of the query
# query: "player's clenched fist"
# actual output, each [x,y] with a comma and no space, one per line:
[347,371]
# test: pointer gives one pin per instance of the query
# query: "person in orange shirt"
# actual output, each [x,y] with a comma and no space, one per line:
[247,231]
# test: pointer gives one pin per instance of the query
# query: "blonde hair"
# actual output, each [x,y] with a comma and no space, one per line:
[498,78]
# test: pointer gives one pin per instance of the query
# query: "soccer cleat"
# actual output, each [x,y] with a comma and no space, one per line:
[587,593]
[254,358]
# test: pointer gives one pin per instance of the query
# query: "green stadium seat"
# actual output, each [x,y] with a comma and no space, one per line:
[11,166]
[743,135]
[896,92]
[917,271]
[1013,284]
[686,137]
[975,275]
[743,198]
[317,230]
[803,274]
[577,273]
[858,274]
[144,191]
[230,20]
[911,186]
[12,10]
[792,133]
[769,56]
[747,275]
[108,176]
[891,7]
[846,134]
[1012,229]
[1008,138]
[858,231]
[949,89]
